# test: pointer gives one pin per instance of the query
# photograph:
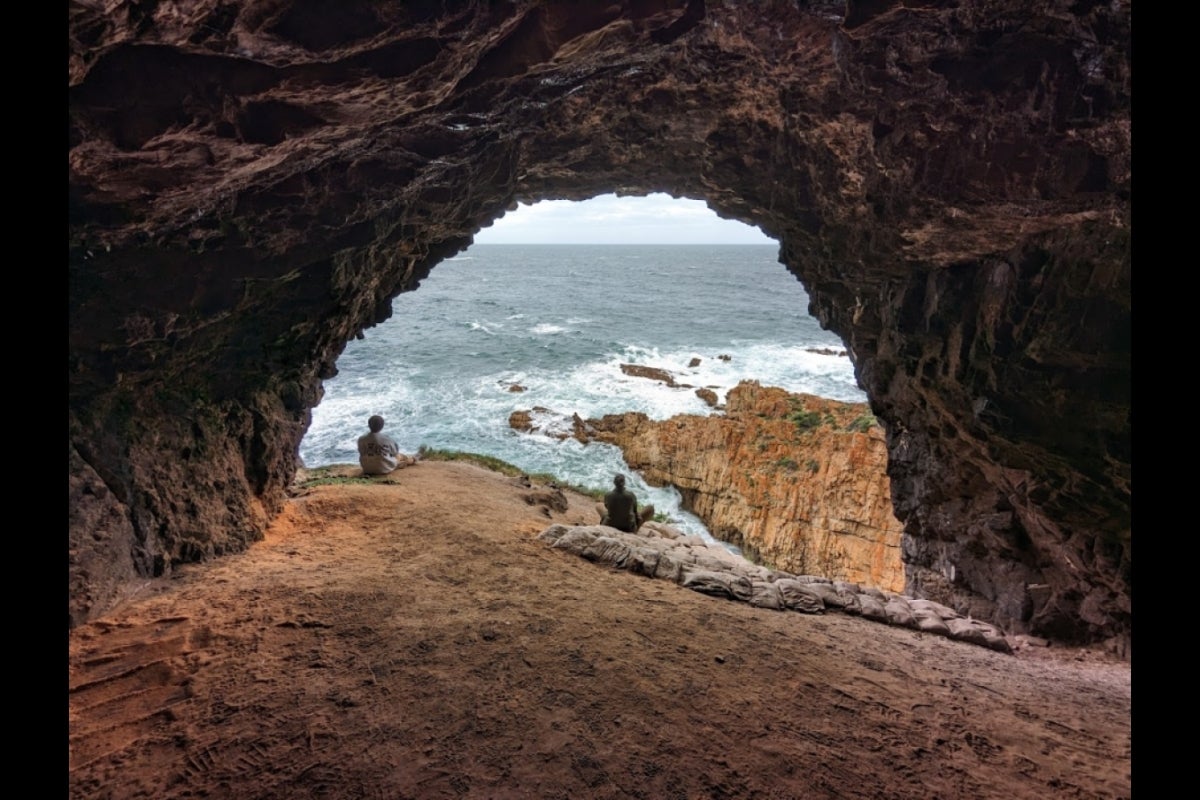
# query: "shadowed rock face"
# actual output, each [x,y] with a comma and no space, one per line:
[251,183]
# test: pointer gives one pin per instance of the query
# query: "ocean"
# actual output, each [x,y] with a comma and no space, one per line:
[559,320]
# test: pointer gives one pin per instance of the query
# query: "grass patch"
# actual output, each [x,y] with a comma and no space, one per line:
[504,468]
[586,491]
[487,462]
[332,480]
[330,476]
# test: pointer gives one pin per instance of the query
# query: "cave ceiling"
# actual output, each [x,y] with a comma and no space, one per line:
[251,183]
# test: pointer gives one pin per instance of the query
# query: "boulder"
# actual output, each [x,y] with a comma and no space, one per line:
[661,552]
[653,373]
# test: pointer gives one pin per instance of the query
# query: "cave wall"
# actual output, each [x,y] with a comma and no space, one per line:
[250,183]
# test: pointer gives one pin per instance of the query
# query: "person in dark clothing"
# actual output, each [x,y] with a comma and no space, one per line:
[620,508]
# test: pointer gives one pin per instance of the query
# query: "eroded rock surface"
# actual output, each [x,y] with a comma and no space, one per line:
[250,183]
[796,481]
[659,551]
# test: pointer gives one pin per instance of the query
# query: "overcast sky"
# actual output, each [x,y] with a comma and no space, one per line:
[608,219]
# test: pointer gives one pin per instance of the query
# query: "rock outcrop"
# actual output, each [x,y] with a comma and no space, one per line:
[708,396]
[659,551]
[798,482]
[251,183]
[546,422]
[652,373]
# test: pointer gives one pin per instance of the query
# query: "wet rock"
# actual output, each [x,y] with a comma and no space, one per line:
[542,420]
[653,373]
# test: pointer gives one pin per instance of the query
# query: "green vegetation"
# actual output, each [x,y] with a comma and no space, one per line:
[425,453]
[863,424]
[587,491]
[328,476]
[333,480]
[787,463]
[812,464]
[805,420]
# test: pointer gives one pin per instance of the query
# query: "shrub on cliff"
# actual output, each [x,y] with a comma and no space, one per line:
[862,424]
[805,420]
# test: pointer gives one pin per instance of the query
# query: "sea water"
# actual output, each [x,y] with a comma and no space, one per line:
[559,320]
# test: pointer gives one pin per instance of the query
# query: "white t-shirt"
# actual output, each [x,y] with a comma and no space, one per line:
[378,453]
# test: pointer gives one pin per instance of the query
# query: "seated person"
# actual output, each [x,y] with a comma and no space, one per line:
[378,454]
[620,508]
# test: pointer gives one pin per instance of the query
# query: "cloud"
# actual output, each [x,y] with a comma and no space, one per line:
[608,219]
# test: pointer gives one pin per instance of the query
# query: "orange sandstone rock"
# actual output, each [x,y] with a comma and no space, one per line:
[799,482]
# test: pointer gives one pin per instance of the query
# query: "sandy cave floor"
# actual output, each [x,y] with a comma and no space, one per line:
[410,638]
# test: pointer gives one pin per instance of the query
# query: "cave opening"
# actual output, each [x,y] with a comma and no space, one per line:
[247,194]
[542,314]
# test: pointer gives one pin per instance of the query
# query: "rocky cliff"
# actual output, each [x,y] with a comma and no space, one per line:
[250,183]
[798,482]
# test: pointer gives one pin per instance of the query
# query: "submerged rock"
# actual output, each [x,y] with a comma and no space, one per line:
[653,373]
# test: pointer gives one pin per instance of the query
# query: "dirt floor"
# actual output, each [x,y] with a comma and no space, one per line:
[410,638]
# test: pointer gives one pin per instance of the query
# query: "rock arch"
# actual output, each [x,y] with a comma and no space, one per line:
[251,183]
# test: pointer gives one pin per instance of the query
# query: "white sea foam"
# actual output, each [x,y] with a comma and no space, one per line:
[544,328]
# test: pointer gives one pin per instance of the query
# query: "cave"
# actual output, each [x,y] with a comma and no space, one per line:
[251,183]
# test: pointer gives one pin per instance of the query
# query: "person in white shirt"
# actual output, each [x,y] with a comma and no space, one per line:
[378,453]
